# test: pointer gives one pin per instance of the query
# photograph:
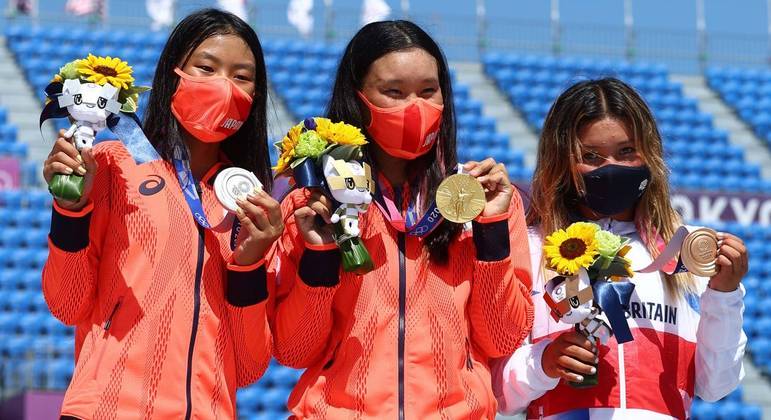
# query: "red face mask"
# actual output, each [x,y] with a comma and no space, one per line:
[407,131]
[210,108]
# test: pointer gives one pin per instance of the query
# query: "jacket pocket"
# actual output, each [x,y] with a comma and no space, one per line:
[332,357]
[104,336]
[469,360]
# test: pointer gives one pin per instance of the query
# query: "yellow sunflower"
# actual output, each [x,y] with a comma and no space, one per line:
[101,70]
[287,148]
[567,250]
[340,132]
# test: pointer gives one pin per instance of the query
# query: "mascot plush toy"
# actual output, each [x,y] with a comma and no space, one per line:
[92,93]
[318,153]
[350,183]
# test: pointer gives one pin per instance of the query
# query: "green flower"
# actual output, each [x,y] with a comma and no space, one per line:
[310,144]
[608,244]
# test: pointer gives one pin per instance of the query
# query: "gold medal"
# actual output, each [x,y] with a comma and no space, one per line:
[699,252]
[460,198]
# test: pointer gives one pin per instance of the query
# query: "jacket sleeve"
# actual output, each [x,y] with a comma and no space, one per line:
[306,281]
[520,379]
[75,246]
[500,307]
[246,294]
[720,343]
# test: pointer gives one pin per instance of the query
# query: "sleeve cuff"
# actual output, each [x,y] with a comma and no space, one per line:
[718,302]
[540,380]
[245,268]
[493,219]
[320,268]
[322,247]
[492,239]
[70,229]
[247,285]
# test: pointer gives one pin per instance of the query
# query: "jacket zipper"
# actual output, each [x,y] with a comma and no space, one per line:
[105,335]
[402,310]
[196,315]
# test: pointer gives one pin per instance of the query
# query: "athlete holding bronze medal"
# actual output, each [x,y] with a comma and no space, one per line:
[600,160]
[412,338]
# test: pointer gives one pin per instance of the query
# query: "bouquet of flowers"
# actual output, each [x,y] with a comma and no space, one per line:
[89,92]
[587,290]
[318,153]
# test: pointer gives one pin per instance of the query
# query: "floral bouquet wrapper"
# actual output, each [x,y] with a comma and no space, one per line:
[318,153]
[587,289]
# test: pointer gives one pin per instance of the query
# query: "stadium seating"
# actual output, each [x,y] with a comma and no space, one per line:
[9,146]
[699,155]
[748,92]
[29,334]
[36,350]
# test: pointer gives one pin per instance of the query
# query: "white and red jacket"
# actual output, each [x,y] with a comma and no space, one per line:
[692,345]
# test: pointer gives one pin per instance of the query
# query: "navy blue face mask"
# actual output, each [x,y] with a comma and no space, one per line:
[613,189]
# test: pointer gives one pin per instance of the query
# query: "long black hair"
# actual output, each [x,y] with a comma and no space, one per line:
[248,147]
[370,43]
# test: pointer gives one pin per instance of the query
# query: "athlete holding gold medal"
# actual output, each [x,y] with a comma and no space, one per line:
[412,338]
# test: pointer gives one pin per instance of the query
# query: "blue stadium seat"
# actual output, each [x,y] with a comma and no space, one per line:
[34,237]
[7,324]
[9,238]
[15,347]
[730,410]
[22,300]
[283,377]
[42,347]
[274,399]
[247,398]
[751,412]
[23,258]
[32,323]
[703,411]
[60,373]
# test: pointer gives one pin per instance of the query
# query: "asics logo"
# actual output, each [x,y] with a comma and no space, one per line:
[152,186]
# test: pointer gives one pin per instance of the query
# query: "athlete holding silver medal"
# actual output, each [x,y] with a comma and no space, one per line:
[166,288]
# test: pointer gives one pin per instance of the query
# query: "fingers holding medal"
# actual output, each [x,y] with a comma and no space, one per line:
[496,184]
[240,192]
[482,188]
[732,263]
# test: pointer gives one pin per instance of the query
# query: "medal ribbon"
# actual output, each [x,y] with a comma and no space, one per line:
[411,224]
[187,182]
[666,262]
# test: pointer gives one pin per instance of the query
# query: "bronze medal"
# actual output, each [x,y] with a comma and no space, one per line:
[699,252]
[460,198]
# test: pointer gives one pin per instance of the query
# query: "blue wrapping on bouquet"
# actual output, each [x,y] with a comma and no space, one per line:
[613,298]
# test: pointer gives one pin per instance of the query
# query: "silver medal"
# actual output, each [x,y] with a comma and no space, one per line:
[235,184]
